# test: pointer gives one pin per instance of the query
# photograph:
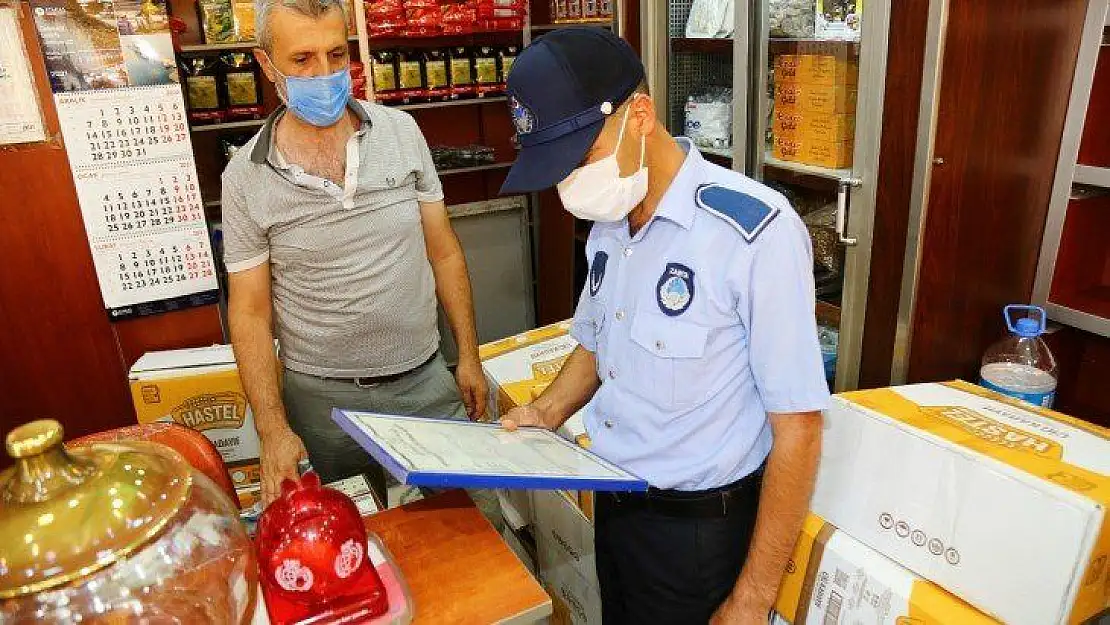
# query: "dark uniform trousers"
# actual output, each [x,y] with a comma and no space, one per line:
[672,557]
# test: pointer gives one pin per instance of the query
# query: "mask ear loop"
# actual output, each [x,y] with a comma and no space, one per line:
[284,79]
[624,124]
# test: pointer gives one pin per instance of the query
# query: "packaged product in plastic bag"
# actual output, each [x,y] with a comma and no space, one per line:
[791,18]
[706,18]
[709,118]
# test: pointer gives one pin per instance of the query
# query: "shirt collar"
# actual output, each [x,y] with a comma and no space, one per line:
[677,205]
[265,136]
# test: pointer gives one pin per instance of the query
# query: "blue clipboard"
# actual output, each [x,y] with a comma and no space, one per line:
[444,453]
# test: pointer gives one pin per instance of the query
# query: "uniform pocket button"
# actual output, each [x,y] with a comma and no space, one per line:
[609,424]
[619,315]
[659,346]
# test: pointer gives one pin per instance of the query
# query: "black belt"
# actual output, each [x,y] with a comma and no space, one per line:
[384,379]
[704,504]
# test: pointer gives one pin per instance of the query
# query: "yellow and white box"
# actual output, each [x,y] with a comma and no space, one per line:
[815,126]
[518,369]
[834,579]
[200,389]
[828,99]
[823,65]
[565,559]
[1001,503]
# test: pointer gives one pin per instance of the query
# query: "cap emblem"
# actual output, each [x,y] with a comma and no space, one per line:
[523,117]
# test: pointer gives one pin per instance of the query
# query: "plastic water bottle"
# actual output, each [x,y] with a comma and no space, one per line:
[1021,364]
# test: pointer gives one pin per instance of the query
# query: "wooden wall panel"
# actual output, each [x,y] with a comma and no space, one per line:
[59,355]
[1006,79]
[905,62]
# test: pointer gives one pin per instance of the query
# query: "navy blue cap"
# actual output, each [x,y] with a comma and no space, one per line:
[561,89]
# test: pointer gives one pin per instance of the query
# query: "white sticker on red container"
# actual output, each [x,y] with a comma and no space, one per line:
[349,558]
[294,576]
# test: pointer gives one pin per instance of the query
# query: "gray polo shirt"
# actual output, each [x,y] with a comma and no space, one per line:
[353,291]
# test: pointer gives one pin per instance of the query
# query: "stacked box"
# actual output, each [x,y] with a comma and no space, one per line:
[519,368]
[200,389]
[1001,503]
[815,103]
[833,579]
[565,559]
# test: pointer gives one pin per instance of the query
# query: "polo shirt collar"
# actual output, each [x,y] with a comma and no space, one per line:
[265,136]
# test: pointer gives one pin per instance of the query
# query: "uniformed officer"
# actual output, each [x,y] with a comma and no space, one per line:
[699,355]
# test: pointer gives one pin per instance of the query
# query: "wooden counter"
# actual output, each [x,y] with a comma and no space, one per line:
[458,568]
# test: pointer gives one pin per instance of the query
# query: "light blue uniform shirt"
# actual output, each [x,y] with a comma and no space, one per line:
[701,324]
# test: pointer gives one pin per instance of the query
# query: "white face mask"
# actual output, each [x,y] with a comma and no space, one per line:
[596,192]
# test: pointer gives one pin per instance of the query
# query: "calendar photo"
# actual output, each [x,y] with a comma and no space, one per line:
[81,44]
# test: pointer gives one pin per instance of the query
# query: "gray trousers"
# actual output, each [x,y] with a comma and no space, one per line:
[428,391]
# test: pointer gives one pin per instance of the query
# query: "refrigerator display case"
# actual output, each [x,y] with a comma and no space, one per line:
[807,79]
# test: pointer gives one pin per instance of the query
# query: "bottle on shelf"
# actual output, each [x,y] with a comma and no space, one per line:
[1021,365]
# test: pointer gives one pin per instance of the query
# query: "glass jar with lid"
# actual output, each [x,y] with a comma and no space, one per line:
[122,532]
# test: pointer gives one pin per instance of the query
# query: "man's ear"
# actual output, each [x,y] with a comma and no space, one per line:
[265,63]
[643,112]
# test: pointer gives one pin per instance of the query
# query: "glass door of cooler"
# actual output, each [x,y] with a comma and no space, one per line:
[815,92]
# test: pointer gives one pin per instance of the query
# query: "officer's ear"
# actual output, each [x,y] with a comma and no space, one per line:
[642,115]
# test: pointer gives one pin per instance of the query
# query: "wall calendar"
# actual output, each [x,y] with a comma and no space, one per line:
[122,115]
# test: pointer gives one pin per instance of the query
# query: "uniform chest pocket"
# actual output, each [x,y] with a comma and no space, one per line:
[667,359]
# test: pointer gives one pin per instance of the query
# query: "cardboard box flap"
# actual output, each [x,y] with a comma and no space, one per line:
[513,343]
[1037,442]
[215,355]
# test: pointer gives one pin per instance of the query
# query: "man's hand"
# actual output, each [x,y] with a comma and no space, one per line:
[473,387]
[528,416]
[737,610]
[281,450]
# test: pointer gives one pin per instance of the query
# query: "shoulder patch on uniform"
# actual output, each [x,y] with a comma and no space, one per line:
[748,214]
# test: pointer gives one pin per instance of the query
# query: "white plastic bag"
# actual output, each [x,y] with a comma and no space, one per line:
[709,118]
[706,18]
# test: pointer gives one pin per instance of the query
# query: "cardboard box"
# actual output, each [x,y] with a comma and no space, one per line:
[1001,503]
[815,98]
[835,128]
[821,64]
[565,559]
[832,578]
[519,368]
[200,388]
[358,489]
[812,152]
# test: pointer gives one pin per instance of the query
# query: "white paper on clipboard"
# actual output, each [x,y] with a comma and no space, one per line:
[20,114]
[461,454]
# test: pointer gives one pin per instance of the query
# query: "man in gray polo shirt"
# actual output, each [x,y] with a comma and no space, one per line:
[337,238]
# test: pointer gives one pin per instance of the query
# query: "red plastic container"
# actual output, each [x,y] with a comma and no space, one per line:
[313,560]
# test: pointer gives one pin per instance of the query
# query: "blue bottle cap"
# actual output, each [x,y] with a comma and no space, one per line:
[1027,328]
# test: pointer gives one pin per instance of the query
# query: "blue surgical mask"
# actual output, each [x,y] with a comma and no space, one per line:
[319,100]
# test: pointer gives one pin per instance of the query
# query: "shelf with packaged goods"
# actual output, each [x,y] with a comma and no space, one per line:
[806,170]
[483,38]
[467,209]
[546,27]
[718,152]
[209,48]
[476,168]
[226,126]
[791,45]
[254,123]
[701,45]
[431,105]
[1092,176]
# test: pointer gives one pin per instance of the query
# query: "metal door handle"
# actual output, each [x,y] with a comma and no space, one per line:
[844,187]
